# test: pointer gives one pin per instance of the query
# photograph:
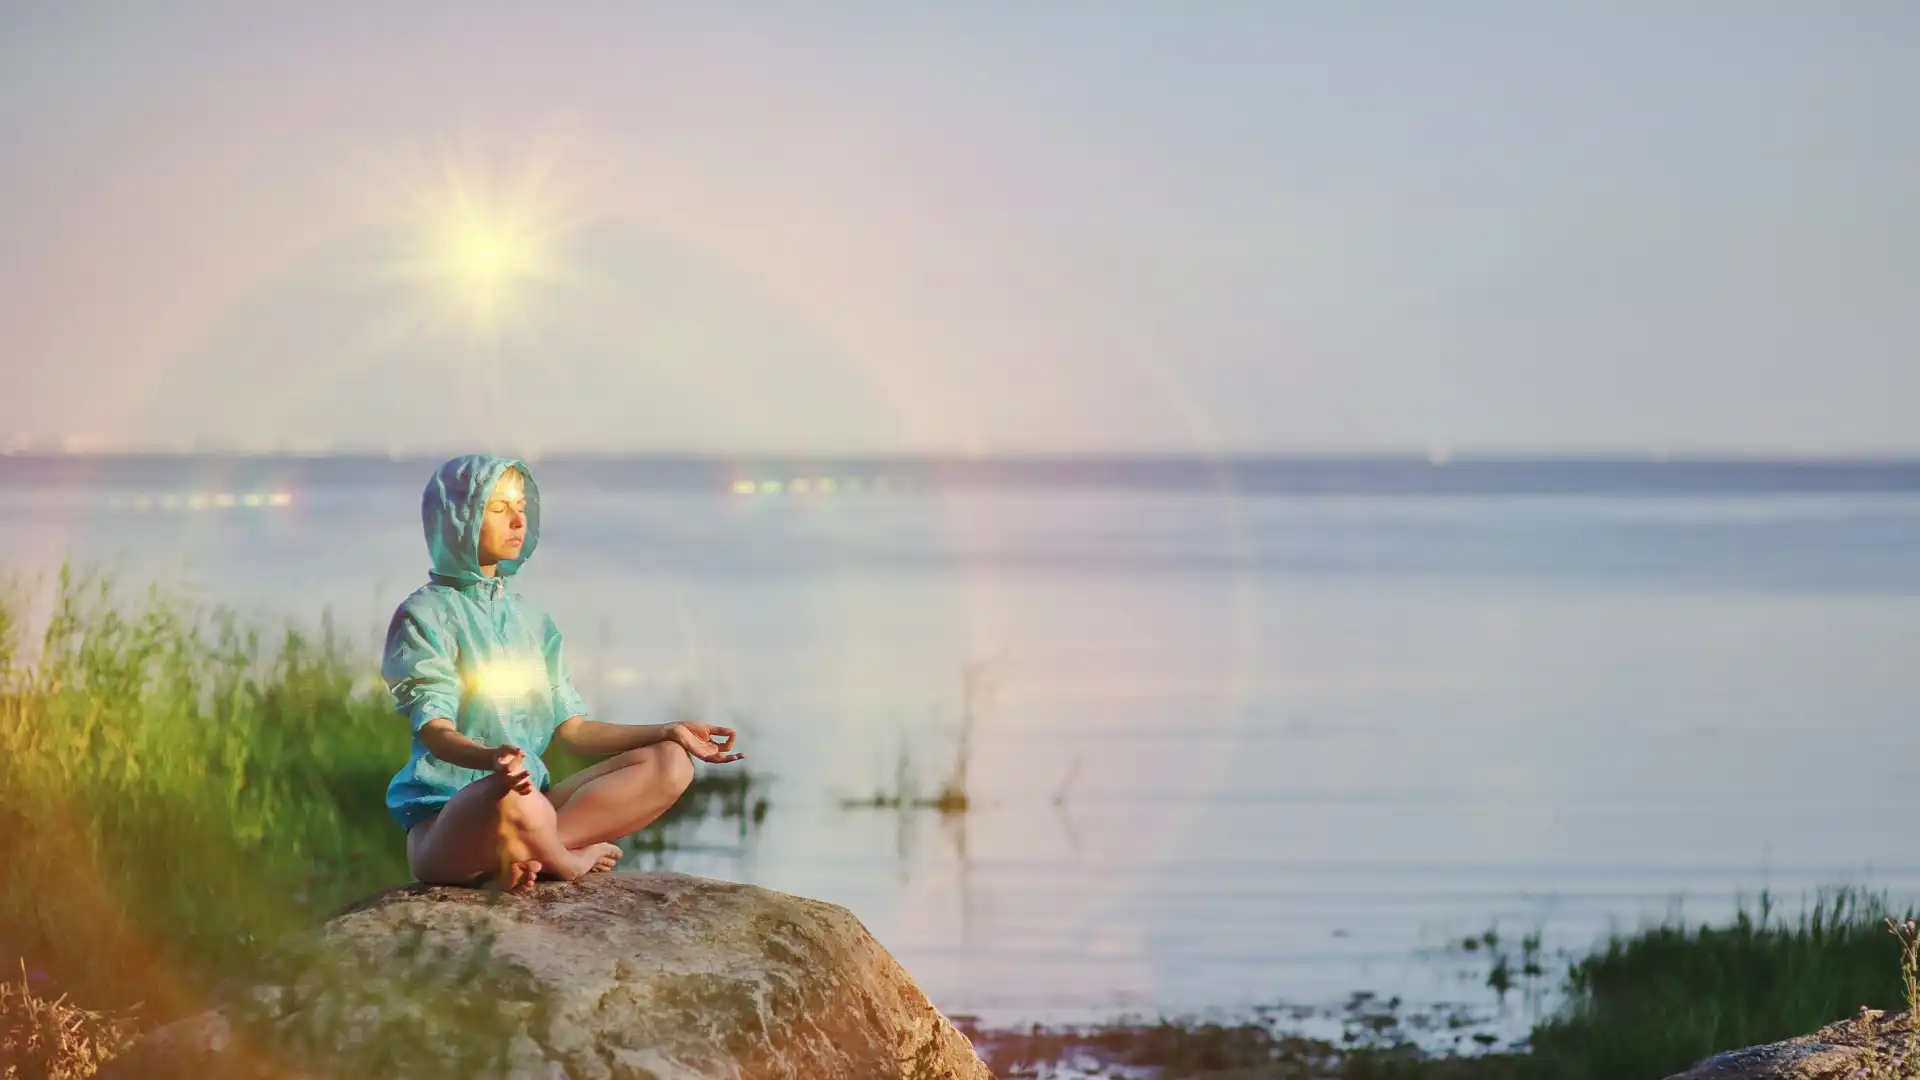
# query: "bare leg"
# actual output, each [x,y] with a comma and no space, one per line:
[490,833]
[516,869]
[621,795]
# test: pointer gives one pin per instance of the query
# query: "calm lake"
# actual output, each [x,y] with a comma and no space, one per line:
[1263,736]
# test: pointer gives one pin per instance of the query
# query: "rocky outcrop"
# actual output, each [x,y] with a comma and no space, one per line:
[618,976]
[1845,1049]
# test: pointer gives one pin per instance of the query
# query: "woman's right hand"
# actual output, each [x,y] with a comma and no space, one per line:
[510,761]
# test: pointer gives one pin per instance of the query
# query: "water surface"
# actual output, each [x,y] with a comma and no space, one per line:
[1251,737]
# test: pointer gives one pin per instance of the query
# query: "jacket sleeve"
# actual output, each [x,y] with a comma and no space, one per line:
[566,699]
[420,670]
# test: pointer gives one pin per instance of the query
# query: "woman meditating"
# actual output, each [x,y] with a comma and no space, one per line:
[477,669]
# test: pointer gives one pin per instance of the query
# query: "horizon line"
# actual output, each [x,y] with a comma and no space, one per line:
[1438,457]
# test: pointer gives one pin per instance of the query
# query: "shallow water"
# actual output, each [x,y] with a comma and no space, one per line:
[1230,750]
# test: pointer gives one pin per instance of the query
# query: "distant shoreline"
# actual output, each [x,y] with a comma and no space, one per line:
[820,475]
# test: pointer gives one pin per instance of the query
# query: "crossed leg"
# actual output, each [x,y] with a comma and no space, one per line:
[492,834]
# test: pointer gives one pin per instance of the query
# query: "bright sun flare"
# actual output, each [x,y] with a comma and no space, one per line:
[479,250]
[484,262]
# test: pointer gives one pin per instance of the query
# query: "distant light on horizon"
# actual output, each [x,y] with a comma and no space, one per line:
[814,485]
[198,500]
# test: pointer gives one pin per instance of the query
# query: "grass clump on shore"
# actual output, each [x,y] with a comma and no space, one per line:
[179,792]
[1655,1002]
[174,794]
[52,1039]
[1646,1005]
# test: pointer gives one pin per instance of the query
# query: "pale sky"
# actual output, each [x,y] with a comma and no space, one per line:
[962,227]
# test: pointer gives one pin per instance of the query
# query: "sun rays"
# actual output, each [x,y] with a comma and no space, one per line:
[483,262]
[478,245]
[477,264]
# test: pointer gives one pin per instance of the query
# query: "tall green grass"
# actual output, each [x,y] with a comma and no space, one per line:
[1649,1004]
[178,790]
[1645,1005]
[1652,1002]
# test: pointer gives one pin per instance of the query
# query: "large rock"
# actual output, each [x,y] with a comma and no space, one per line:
[1837,1050]
[618,976]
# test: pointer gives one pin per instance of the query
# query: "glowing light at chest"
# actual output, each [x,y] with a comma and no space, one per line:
[506,679]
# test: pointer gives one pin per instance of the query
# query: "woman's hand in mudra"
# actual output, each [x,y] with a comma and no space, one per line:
[511,762]
[706,742]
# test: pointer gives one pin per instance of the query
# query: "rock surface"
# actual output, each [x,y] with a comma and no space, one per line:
[1835,1051]
[617,976]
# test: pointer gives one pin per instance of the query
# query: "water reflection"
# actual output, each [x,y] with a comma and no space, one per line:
[734,799]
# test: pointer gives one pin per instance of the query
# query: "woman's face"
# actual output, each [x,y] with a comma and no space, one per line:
[503,529]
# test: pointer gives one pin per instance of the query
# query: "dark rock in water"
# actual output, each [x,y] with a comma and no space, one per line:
[617,976]
[1843,1049]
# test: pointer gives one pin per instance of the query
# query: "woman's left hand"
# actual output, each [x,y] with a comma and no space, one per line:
[706,742]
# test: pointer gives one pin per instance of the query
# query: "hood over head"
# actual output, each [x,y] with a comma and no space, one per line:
[455,503]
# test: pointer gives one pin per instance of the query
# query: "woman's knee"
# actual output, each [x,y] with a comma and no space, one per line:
[532,811]
[670,760]
[676,766]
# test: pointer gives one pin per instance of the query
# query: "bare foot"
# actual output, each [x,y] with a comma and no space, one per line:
[586,860]
[520,877]
[607,856]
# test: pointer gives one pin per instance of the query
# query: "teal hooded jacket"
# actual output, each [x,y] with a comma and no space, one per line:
[471,648]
